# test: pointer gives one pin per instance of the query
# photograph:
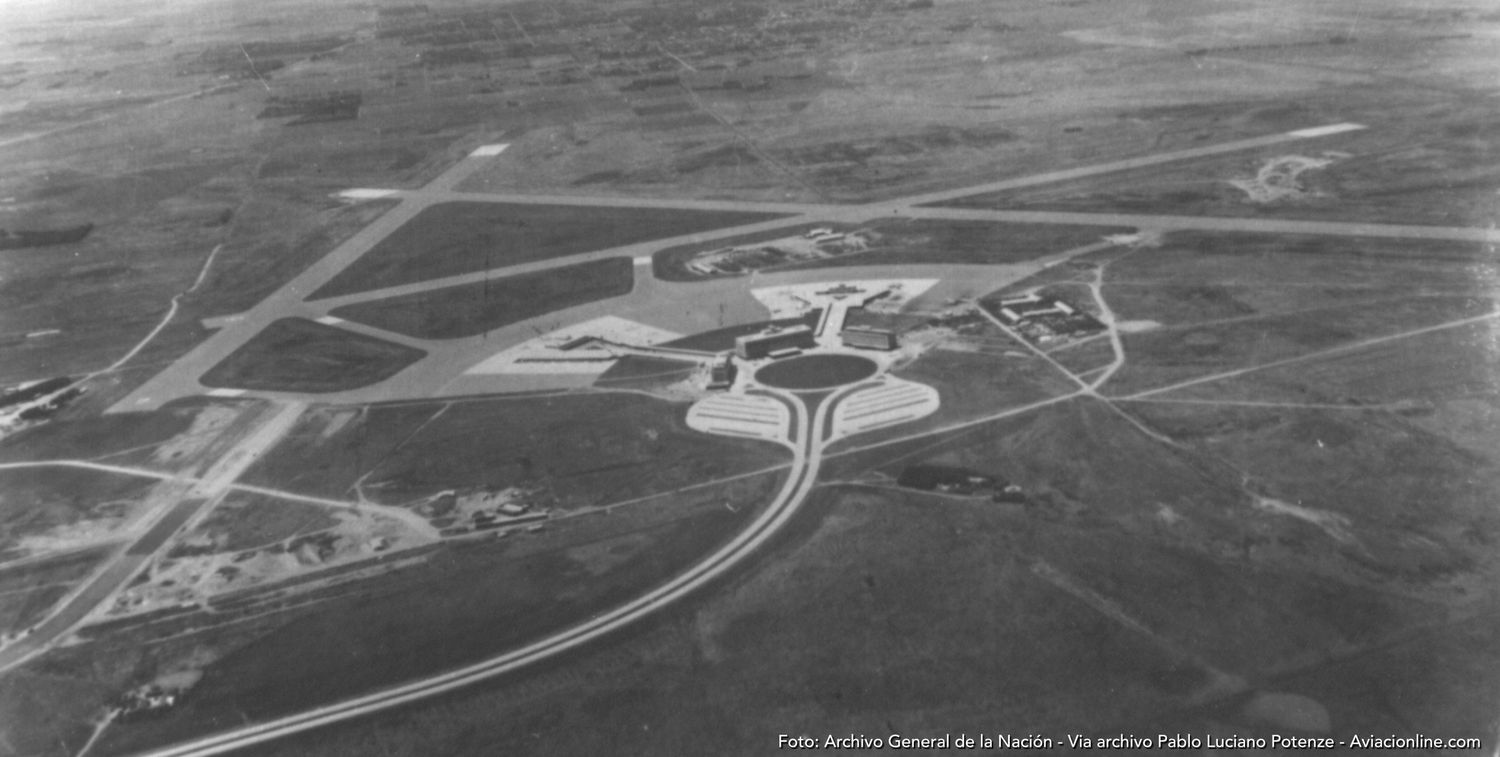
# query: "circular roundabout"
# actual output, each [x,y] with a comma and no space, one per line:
[810,372]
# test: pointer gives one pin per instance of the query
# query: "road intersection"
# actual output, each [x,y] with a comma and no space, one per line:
[449,358]
[804,423]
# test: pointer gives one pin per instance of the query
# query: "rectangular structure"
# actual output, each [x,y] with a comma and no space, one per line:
[757,346]
[865,338]
[721,375]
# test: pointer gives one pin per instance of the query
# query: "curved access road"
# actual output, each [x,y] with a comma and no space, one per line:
[807,451]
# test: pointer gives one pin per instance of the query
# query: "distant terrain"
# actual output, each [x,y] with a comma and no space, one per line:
[472,378]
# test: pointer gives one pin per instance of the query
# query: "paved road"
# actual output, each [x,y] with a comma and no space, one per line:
[191,496]
[181,378]
[807,457]
[1214,223]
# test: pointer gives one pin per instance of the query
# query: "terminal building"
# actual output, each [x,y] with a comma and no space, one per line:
[721,374]
[868,338]
[774,343]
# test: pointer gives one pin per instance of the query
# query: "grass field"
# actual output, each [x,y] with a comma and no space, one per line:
[278,234]
[33,500]
[1403,171]
[668,264]
[28,591]
[464,237]
[971,385]
[466,602]
[1163,356]
[299,355]
[883,612]
[918,241]
[95,435]
[1224,301]
[900,241]
[470,309]
[816,371]
[245,520]
[584,449]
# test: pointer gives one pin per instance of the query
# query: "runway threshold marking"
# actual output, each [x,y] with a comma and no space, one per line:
[1323,131]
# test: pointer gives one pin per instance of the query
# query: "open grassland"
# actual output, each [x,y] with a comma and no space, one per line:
[971,385]
[1405,170]
[898,241]
[36,500]
[28,590]
[277,234]
[1391,497]
[1164,356]
[246,520]
[464,237]
[883,611]
[1271,272]
[1149,584]
[669,264]
[1084,356]
[470,309]
[918,241]
[94,435]
[465,602]
[1414,374]
[581,449]
[1214,303]
[299,355]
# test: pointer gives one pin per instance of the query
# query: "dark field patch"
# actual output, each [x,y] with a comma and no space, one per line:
[463,237]
[33,500]
[470,309]
[299,355]
[273,239]
[861,152]
[816,371]
[642,371]
[1388,174]
[719,340]
[1412,507]
[907,241]
[1164,356]
[86,437]
[1212,275]
[660,109]
[971,385]
[246,519]
[918,241]
[28,592]
[1095,353]
[668,264]
[1414,373]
